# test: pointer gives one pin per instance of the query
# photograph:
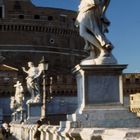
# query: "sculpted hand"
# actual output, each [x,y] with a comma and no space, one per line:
[23,68]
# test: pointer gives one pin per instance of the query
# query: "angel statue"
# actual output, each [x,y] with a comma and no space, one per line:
[32,81]
[93,24]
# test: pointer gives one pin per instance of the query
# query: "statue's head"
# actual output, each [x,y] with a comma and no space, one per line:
[18,82]
[30,64]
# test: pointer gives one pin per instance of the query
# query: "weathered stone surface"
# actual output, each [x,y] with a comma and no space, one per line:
[99,84]
[100,98]
[34,112]
[65,133]
[108,118]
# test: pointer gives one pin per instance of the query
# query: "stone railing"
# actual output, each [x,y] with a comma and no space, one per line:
[64,132]
[23,132]
[49,132]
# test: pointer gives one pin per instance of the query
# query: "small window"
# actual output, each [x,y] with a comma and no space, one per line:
[0,27]
[21,16]
[62,18]
[127,80]
[17,5]
[137,80]
[52,41]
[50,18]
[74,19]
[36,16]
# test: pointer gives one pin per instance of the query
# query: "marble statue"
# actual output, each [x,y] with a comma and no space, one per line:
[93,24]
[32,81]
[17,100]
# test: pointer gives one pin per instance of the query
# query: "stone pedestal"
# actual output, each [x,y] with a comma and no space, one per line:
[100,98]
[18,116]
[99,84]
[34,112]
[13,116]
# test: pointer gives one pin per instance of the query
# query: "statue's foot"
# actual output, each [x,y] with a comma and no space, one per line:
[104,53]
[29,101]
[37,99]
[106,59]
[19,109]
[88,62]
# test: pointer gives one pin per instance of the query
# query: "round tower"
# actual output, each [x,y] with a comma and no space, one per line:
[27,33]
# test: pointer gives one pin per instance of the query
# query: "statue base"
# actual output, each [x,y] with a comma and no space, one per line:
[34,112]
[100,98]
[105,116]
[18,116]
[101,60]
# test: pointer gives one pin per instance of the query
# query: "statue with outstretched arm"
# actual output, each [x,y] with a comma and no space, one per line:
[32,81]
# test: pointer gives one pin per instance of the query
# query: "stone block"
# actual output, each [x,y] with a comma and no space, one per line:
[34,112]
[99,84]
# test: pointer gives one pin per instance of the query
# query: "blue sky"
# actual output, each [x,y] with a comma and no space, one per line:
[123,32]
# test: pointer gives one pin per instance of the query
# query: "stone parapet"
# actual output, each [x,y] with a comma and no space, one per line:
[50,132]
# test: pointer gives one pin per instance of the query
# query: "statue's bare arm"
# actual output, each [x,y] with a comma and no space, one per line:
[23,68]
